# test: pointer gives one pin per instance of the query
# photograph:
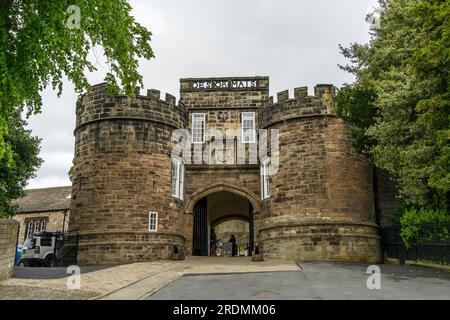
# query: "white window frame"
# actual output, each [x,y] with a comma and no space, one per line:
[181,180]
[194,128]
[177,178]
[37,226]
[30,229]
[153,221]
[246,116]
[265,181]
[43,225]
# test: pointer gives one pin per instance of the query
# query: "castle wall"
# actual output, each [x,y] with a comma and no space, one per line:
[388,203]
[321,203]
[231,99]
[122,171]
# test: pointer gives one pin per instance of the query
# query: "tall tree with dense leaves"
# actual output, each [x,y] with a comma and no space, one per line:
[407,65]
[13,177]
[41,42]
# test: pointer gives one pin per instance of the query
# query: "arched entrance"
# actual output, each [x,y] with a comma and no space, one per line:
[212,207]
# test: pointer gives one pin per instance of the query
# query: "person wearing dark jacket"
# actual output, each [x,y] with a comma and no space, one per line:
[213,244]
[233,245]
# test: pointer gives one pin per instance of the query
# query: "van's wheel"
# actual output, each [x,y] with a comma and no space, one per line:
[22,264]
[48,262]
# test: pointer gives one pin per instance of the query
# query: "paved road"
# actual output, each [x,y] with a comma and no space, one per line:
[316,281]
[45,273]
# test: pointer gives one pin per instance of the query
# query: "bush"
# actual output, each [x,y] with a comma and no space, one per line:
[424,224]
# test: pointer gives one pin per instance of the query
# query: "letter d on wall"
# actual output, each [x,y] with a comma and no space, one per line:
[374,280]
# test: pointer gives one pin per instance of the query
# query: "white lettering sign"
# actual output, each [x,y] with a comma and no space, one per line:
[224,84]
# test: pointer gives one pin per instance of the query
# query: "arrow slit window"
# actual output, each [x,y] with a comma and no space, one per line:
[265,187]
[177,178]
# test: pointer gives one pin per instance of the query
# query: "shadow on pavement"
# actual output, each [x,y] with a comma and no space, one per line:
[51,273]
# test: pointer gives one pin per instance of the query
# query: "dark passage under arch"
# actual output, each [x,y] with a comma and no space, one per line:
[208,214]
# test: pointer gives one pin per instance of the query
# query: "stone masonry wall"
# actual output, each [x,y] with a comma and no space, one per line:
[8,241]
[321,203]
[223,107]
[122,172]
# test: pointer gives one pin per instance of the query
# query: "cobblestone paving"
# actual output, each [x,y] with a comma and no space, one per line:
[51,283]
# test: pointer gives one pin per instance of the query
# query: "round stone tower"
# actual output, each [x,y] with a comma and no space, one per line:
[122,173]
[321,197]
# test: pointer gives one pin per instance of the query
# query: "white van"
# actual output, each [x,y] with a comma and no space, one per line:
[39,250]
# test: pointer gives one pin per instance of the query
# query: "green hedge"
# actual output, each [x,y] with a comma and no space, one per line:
[424,224]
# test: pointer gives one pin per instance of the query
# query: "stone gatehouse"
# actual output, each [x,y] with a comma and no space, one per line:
[153,173]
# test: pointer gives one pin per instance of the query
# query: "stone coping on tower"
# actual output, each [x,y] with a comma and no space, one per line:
[97,105]
[301,105]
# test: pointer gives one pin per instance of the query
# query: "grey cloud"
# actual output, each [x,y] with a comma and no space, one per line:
[293,42]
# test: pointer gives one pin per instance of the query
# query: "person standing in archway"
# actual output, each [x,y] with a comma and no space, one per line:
[233,245]
[213,244]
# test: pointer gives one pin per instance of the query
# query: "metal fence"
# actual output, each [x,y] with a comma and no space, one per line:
[427,246]
[66,249]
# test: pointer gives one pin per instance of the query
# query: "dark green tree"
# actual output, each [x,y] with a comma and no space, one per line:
[14,176]
[406,65]
[43,42]
[356,104]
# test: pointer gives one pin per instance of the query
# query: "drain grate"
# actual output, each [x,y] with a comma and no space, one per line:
[265,293]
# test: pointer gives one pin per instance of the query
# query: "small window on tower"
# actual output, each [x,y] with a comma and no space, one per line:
[153,221]
[248,127]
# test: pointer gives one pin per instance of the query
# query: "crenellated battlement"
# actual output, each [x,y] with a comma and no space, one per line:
[301,105]
[131,201]
[98,105]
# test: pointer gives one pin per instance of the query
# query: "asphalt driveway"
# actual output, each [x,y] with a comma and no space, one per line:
[314,281]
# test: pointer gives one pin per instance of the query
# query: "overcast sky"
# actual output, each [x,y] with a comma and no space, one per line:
[293,42]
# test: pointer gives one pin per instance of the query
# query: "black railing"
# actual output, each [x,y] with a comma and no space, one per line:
[427,245]
[66,249]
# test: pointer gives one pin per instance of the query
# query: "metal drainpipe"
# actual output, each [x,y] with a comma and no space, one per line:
[64,220]
[376,199]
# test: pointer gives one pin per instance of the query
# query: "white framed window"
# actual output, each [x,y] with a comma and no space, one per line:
[153,221]
[198,127]
[248,127]
[265,182]
[181,179]
[29,230]
[37,226]
[43,225]
[177,178]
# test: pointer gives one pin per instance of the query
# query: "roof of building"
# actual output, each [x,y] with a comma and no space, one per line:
[45,199]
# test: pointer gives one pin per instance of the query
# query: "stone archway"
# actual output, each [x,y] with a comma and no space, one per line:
[216,203]
[217,187]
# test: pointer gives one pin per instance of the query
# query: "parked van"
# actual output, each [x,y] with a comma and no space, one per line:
[39,250]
